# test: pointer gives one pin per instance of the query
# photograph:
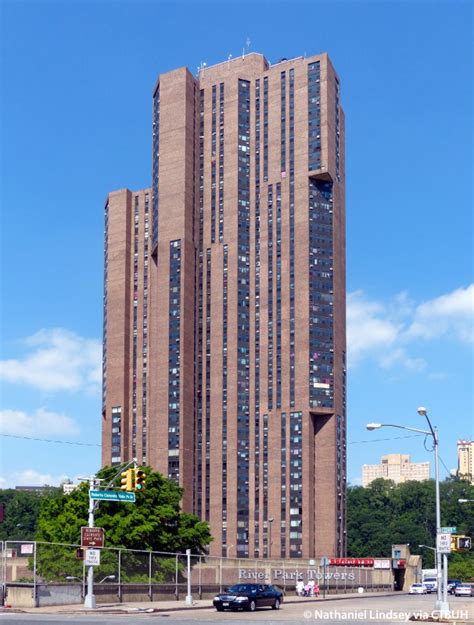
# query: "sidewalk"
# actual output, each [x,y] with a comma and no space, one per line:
[175,606]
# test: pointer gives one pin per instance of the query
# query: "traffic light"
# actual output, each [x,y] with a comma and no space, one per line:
[140,479]
[127,480]
[463,543]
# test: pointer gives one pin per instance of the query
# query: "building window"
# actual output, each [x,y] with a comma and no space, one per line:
[146,238]
[270,297]
[314,116]
[208,385]
[225,321]
[283,122]
[291,184]
[257,323]
[213,162]
[116,417]
[265,129]
[104,326]
[296,484]
[199,399]
[278,295]
[266,546]
[243,316]
[155,165]
[221,162]
[321,298]
[174,359]
[283,490]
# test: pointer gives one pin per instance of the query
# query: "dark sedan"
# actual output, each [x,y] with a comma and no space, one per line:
[248,597]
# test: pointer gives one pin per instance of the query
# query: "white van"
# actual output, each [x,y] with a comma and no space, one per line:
[431,584]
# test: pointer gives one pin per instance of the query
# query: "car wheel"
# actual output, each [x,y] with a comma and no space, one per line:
[252,606]
[276,605]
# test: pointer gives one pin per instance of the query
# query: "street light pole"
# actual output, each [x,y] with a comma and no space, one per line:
[441,591]
[441,567]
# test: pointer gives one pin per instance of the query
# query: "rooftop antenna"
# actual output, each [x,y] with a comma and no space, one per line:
[201,66]
[247,43]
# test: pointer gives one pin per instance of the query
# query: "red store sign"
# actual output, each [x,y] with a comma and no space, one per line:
[351,562]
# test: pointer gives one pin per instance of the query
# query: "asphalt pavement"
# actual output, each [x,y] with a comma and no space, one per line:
[375,610]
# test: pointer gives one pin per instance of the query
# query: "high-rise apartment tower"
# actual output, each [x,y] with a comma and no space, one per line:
[466,460]
[224,305]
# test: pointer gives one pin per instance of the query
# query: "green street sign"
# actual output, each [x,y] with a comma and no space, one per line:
[447,530]
[111,495]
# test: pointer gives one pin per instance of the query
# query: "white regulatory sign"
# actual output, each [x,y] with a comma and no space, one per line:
[444,543]
[92,557]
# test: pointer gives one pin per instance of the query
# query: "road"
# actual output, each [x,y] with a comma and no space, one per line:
[374,610]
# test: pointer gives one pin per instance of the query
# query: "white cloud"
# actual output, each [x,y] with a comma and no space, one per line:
[30,477]
[368,327]
[450,314]
[59,360]
[385,331]
[399,356]
[41,423]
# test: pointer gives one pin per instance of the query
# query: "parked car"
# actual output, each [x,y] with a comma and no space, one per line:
[463,590]
[248,597]
[417,589]
[452,583]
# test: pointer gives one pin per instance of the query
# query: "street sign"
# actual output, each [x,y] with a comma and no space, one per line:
[92,537]
[448,530]
[443,543]
[111,495]
[92,557]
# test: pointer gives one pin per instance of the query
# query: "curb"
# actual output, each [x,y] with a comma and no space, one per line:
[144,610]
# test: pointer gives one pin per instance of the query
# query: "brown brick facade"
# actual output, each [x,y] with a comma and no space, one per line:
[260,454]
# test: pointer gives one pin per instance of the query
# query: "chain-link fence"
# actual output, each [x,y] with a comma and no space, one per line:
[58,571]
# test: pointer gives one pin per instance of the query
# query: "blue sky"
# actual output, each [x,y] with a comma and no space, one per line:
[77,79]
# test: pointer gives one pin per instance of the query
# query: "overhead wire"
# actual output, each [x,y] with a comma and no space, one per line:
[63,442]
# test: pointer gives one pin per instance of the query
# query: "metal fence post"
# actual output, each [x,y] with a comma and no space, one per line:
[83,580]
[150,592]
[199,576]
[176,590]
[120,575]
[35,596]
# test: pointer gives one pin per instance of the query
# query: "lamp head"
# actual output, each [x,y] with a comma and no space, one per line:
[462,500]
[422,411]
[373,426]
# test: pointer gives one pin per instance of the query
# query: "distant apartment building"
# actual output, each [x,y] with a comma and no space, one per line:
[466,460]
[396,467]
[69,487]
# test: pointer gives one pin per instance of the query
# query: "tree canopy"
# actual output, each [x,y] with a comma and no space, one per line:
[21,510]
[155,522]
[384,513]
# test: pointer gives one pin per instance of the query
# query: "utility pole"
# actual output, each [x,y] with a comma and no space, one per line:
[94,482]
[89,600]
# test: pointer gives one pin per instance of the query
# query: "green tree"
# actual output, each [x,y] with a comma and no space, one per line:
[21,510]
[155,522]
[384,514]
